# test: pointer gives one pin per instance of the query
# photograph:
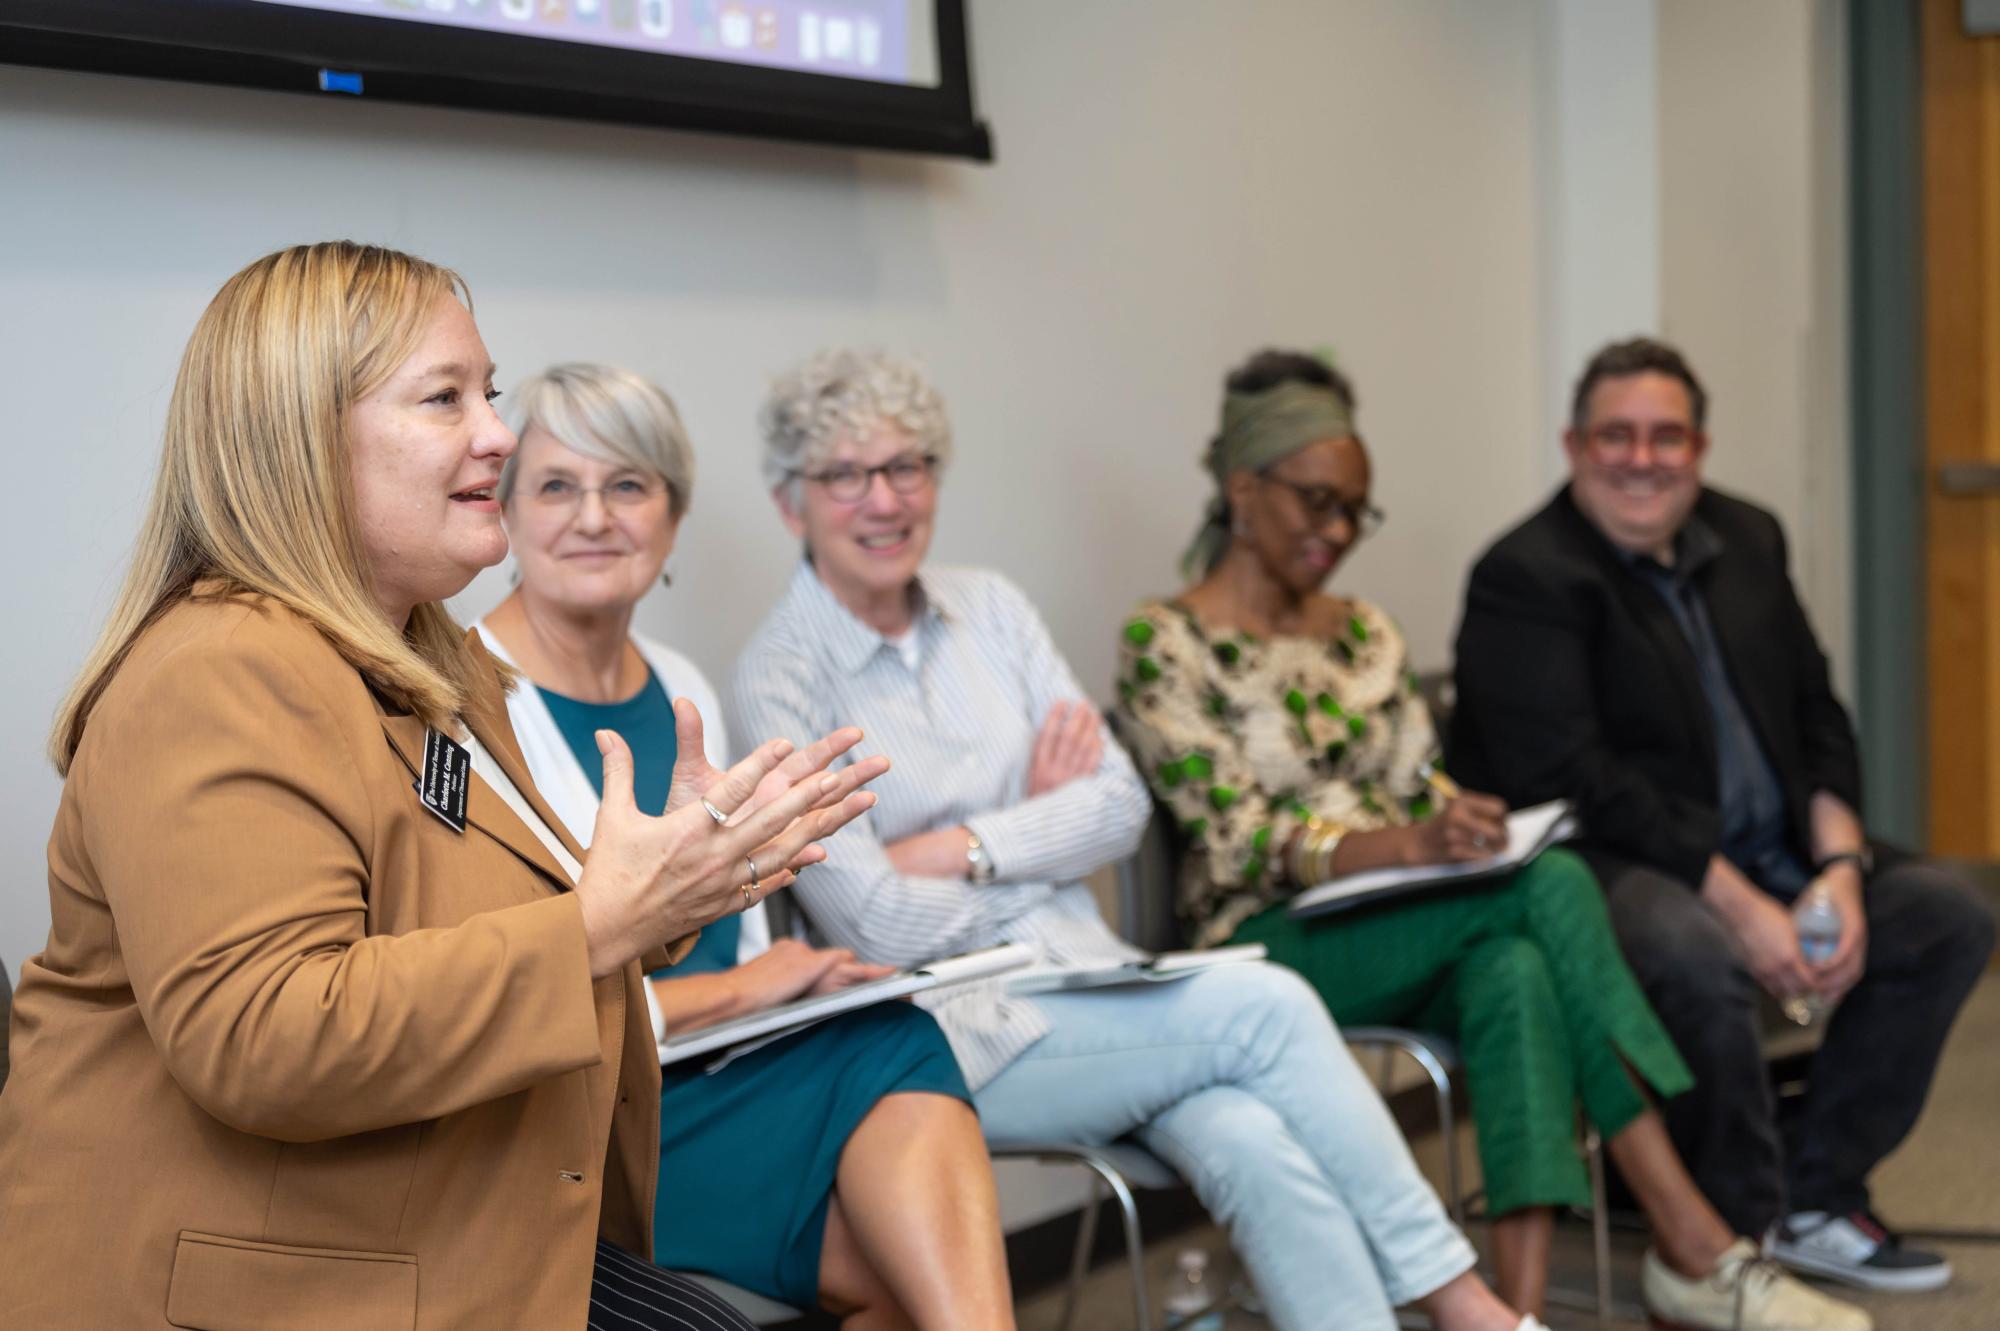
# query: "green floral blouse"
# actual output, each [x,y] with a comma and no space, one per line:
[1243,738]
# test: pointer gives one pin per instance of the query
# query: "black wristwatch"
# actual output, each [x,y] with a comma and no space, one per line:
[1862,859]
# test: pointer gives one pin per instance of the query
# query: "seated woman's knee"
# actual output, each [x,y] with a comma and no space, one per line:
[1268,985]
[1509,969]
[1560,877]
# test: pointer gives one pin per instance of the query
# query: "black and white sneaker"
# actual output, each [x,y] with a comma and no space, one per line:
[1855,1249]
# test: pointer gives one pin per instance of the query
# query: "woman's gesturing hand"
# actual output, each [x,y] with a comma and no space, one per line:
[695,777]
[649,880]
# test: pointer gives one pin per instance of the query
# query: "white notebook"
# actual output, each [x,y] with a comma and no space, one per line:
[1530,831]
[1147,970]
[758,1029]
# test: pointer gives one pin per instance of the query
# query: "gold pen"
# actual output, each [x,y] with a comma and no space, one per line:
[1434,777]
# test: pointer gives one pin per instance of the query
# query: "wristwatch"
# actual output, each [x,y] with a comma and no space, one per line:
[1862,859]
[978,864]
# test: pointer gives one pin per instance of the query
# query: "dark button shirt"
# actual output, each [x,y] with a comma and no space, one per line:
[1756,832]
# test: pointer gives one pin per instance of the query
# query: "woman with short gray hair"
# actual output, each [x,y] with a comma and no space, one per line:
[619,414]
[841,1167]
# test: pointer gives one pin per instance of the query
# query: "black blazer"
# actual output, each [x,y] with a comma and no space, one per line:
[1574,680]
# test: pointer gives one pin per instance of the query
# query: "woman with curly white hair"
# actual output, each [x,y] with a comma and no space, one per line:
[841,1167]
[1005,794]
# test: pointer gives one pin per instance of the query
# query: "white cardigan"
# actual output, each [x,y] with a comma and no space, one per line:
[561,779]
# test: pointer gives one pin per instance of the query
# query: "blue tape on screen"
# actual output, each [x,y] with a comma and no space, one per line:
[339,80]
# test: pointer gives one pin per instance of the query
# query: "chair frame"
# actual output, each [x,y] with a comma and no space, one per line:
[1109,1167]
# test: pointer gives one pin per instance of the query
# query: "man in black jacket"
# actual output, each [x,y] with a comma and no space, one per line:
[1637,646]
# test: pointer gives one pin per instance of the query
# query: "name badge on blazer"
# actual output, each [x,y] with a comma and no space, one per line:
[447,771]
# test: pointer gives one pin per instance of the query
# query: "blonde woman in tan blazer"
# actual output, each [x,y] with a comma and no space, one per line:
[301,1052]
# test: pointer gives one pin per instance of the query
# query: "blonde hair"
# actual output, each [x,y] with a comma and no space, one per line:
[839,394]
[254,492]
[609,414]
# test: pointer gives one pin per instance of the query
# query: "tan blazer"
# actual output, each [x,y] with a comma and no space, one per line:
[298,1055]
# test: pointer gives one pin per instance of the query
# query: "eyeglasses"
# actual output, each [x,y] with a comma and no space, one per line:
[1323,503]
[558,494]
[846,483]
[1616,442]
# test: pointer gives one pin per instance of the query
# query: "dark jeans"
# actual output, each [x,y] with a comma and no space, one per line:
[1928,938]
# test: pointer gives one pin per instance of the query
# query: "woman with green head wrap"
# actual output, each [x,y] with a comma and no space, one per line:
[1282,728]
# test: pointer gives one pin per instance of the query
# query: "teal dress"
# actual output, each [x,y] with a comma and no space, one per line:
[748,1155]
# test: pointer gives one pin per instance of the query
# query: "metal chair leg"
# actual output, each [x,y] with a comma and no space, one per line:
[1135,1247]
[1079,1262]
[1600,1219]
[1447,1127]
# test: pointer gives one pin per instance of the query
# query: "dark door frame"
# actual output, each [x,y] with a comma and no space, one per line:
[1887,404]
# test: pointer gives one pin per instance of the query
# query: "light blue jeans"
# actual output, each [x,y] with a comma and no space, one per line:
[1238,1079]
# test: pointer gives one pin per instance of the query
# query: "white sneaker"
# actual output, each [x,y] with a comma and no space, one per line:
[1857,1250]
[1743,1293]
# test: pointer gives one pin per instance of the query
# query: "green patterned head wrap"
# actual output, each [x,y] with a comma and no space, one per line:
[1259,429]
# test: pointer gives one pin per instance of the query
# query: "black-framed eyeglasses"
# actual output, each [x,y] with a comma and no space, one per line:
[1323,503]
[848,483]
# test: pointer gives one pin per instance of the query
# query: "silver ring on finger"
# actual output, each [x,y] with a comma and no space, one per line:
[713,812]
[756,882]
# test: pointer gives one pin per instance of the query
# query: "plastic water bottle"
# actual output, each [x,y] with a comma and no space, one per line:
[1190,1293]
[1819,938]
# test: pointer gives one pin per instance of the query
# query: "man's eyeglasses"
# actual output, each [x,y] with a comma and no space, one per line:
[1617,442]
[559,494]
[1323,503]
[847,483]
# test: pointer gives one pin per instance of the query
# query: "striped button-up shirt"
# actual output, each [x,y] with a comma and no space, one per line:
[960,728]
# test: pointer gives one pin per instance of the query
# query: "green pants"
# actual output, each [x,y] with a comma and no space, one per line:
[1526,976]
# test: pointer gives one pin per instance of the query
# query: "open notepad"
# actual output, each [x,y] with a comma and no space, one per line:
[1146,970]
[744,1034]
[1530,831]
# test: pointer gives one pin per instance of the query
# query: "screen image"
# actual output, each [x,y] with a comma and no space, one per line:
[870,73]
[889,40]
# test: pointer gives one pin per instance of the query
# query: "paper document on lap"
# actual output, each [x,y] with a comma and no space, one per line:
[745,1034]
[1160,969]
[1530,831]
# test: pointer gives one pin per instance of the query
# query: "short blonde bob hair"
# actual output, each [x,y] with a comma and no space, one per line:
[254,493]
[609,414]
[837,395]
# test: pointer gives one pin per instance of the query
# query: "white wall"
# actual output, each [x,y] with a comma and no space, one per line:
[1431,188]
[1754,266]
[1178,184]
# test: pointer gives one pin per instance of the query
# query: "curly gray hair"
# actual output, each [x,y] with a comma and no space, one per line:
[839,394]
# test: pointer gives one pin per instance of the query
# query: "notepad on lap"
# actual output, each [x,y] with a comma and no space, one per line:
[758,1029]
[1151,970]
[1530,831]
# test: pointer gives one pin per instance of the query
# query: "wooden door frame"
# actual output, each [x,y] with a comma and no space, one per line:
[1961,336]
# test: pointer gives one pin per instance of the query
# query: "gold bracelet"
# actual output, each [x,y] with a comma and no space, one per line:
[1315,851]
[1322,857]
[1302,850]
